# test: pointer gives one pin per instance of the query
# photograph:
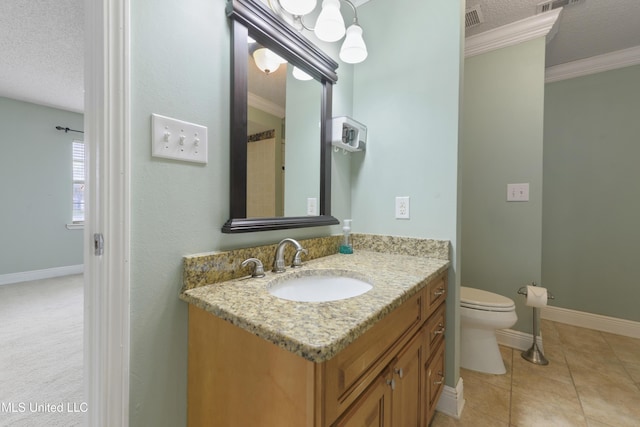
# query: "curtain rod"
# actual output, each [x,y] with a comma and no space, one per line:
[67,130]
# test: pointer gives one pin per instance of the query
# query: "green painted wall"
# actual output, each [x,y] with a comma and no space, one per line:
[501,143]
[592,193]
[36,188]
[407,94]
[180,53]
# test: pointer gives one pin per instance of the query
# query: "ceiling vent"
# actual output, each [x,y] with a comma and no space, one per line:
[473,17]
[554,4]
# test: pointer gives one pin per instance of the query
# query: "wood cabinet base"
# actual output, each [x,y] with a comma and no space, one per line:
[390,376]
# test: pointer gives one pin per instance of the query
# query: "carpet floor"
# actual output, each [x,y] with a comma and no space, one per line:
[41,353]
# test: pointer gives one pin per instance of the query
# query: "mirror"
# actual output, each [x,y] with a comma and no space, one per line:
[306,136]
[283,159]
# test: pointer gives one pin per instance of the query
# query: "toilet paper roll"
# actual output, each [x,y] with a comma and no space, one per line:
[536,296]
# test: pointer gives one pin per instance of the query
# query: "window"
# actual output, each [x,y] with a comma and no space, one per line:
[78,182]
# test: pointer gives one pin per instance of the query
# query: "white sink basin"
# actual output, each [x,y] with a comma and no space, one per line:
[318,288]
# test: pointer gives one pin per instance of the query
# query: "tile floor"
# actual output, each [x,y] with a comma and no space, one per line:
[593,380]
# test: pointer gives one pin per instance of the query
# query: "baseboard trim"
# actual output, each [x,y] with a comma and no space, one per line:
[47,273]
[516,339]
[627,328]
[451,400]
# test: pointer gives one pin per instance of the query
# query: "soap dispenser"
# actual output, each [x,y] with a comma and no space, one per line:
[346,247]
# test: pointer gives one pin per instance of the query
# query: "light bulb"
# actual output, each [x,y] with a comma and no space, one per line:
[298,7]
[300,75]
[353,49]
[266,60]
[330,25]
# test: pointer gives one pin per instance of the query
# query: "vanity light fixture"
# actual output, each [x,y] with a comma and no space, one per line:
[329,26]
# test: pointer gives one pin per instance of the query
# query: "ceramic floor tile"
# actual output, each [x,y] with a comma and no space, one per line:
[530,383]
[557,368]
[471,417]
[596,423]
[592,380]
[591,371]
[489,399]
[549,332]
[611,405]
[531,410]
[633,369]
[583,340]
[627,349]
[503,380]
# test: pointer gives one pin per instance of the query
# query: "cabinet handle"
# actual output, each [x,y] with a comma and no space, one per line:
[439,331]
[392,383]
[439,292]
[399,371]
[441,379]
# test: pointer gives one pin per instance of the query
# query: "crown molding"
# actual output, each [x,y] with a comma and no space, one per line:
[265,105]
[595,64]
[517,32]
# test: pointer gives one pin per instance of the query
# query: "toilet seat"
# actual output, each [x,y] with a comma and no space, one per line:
[477,299]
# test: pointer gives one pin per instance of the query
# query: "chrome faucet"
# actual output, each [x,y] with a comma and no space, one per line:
[278,262]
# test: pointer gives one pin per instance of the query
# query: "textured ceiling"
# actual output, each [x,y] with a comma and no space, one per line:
[41,51]
[586,29]
[41,41]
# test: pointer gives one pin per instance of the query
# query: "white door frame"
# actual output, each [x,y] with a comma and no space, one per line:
[107,281]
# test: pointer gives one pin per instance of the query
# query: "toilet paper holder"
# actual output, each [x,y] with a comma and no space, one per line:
[534,354]
[523,291]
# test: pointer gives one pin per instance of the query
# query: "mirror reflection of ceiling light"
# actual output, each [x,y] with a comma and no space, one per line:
[329,27]
[266,60]
[300,75]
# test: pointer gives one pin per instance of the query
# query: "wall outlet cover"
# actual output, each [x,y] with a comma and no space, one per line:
[402,207]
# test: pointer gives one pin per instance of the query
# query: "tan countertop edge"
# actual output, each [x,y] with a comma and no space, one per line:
[294,326]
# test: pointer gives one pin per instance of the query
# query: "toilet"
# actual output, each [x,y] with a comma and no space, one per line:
[481,313]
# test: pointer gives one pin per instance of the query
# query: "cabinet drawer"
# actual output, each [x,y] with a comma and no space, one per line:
[352,370]
[436,327]
[436,292]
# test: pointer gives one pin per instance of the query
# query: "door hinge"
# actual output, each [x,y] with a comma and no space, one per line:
[98,244]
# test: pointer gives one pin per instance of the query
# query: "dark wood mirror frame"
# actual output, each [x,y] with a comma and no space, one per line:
[251,16]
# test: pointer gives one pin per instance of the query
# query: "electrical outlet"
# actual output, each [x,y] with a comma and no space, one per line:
[177,139]
[402,207]
[312,206]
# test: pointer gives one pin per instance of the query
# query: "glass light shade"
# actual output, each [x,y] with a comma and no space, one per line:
[300,75]
[267,61]
[298,7]
[353,49]
[330,25]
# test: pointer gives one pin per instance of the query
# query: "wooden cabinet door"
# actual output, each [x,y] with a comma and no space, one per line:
[434,373]
[408,394]
[373,408]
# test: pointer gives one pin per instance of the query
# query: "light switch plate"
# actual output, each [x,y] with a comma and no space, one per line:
[518,192]
[177,139]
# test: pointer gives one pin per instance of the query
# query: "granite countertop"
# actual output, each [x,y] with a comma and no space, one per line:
[317,331]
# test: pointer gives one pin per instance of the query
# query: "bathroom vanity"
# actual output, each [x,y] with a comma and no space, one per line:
[375,359]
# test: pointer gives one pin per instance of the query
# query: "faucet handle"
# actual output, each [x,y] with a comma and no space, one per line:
[297,261]
[258,270]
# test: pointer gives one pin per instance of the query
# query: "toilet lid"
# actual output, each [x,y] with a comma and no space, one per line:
[484,300]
